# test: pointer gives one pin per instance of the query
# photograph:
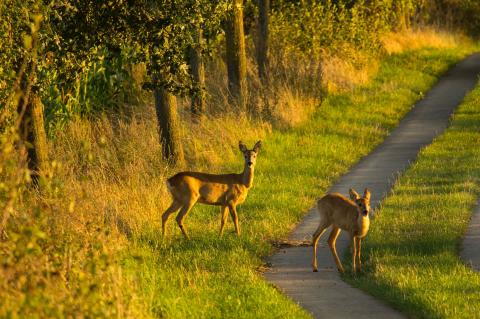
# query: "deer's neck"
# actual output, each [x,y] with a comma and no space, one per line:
[363,223]
[247,176]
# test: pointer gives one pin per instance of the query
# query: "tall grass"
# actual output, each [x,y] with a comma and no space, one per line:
[112,167]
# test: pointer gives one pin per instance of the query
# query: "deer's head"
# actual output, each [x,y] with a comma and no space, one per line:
[363,203]
[250,156]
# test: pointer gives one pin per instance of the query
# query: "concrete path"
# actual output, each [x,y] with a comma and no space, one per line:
[324,294]
[470,251]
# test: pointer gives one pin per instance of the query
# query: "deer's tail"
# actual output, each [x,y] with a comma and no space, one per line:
[169,185]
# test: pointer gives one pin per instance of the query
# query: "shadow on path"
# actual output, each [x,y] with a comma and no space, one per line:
[470,251]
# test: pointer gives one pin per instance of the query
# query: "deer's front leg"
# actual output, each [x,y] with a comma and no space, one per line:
[354,253]
[224,217]
[359,261]
[233,213]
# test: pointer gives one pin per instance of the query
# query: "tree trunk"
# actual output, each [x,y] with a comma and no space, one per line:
[236,57]
[262,40]
[32,127]
[166,108]
[39,134]
[198,73]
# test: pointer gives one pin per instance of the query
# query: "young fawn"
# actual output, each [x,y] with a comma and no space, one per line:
[226,190]
[349,215]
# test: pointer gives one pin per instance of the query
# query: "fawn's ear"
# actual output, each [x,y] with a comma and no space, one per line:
[257,146]
[366,194]
[242,147]
[353,194]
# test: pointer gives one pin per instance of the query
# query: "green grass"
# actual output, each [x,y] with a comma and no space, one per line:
[212,277]
[411,252]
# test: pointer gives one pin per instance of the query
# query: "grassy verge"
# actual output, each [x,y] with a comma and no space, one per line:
[212,277]
[412,250]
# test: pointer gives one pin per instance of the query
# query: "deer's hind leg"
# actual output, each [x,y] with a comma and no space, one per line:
[224,212]
[332,240]
[316,237]
[166,215]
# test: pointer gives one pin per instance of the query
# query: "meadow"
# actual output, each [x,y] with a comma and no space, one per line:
[211,276]
[80,225]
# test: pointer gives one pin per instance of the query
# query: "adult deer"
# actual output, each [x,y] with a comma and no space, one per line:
[225,190]
[349,215]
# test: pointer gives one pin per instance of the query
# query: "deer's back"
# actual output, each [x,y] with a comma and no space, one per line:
[208,188]
[338,210]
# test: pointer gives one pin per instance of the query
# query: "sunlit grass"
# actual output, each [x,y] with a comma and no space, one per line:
[412,248]
[212,277]
[396,42]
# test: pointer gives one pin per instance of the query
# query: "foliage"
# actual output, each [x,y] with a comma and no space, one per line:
[87,48]
[453,14]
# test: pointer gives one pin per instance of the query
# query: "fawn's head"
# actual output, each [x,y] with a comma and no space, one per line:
[250,155]
[363,203]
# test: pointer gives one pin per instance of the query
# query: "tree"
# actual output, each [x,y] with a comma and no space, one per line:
[19,65]
[161,35]
[262,39]
[32,130]
[166,110]
[158,33]
[236,56]
[198,73]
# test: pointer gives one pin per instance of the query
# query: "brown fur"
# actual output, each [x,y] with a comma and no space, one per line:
[225,190]
[343,214]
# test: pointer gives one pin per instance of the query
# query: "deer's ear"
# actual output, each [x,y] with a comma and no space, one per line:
[242,147]
[353,194]
[257,146]
[366,194]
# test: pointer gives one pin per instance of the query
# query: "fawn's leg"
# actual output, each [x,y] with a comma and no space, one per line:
[359,246]
[354,253]
[233,213]
[224,213]
[166,215]
[183,212]
[316,237]
[332,242]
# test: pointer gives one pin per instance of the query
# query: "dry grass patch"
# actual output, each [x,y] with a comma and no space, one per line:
[397,42]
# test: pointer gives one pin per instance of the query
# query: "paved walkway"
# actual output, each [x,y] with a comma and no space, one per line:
[470,251]
[324,294]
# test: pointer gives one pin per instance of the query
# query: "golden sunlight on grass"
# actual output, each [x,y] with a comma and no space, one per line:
[292,108]
[397,42]
[339,74]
